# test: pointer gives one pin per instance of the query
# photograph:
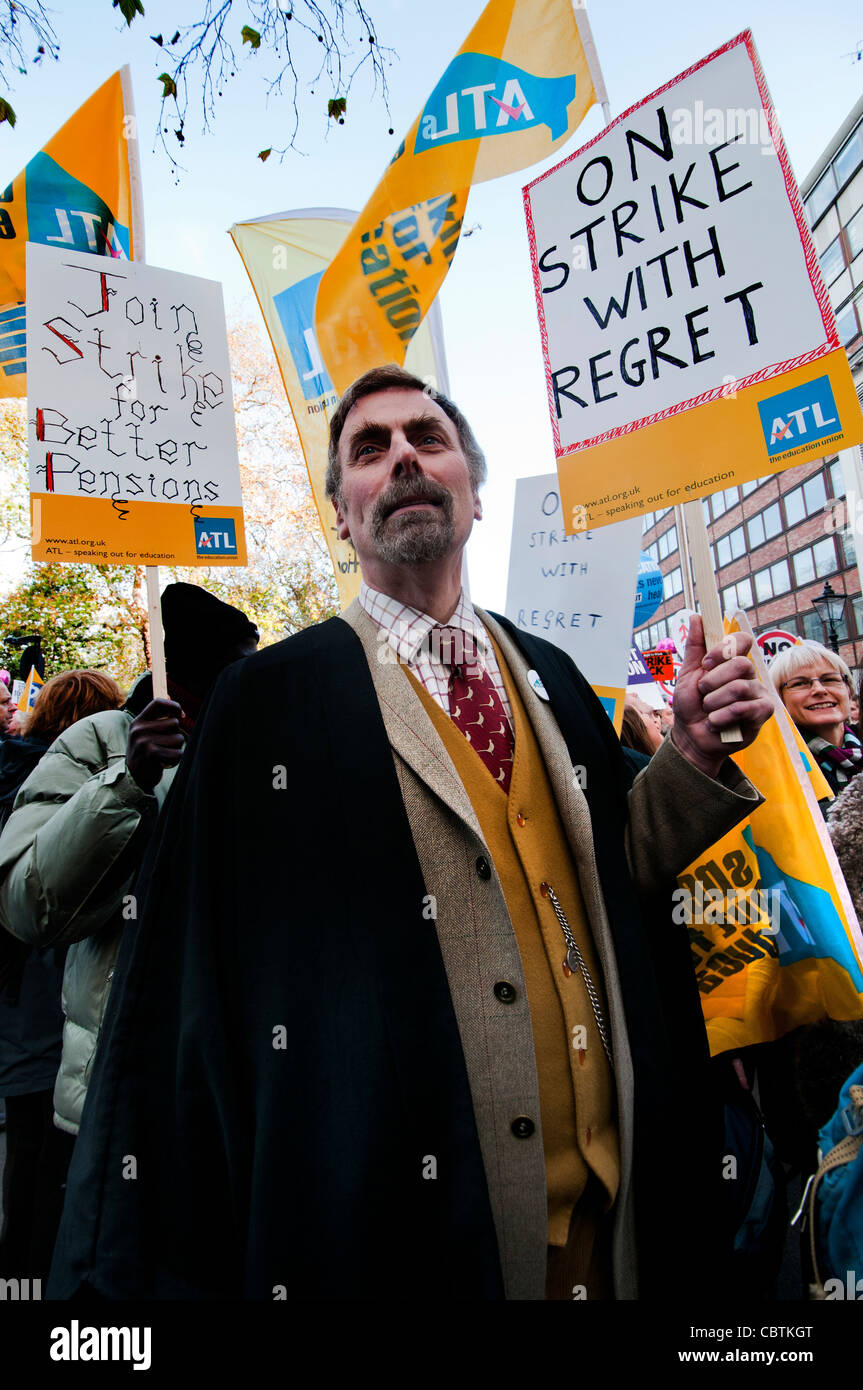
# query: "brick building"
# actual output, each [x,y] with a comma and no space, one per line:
[777,540]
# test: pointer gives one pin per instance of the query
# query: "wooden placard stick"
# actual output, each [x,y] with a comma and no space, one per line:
[154,605]
[708,594]
[157,640]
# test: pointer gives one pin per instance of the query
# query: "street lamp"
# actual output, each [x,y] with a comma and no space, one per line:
[830,607]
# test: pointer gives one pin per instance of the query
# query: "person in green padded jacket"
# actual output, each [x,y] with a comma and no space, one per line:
[71,849]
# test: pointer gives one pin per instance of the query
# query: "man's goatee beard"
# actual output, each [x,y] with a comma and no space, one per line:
[414,538]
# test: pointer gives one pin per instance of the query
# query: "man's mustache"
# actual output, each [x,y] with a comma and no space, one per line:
[403,490]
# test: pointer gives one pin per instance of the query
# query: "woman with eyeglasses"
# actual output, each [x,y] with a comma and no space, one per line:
[816,688]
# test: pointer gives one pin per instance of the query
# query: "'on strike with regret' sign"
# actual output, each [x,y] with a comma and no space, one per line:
[133,451]
[673,269]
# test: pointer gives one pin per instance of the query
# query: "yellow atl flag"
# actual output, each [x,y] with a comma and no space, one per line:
[75,193]
[518,87]
[774,936]
[285,257]
[31,689]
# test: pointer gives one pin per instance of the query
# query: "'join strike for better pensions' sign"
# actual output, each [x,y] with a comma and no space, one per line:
[688,337]
[133,452]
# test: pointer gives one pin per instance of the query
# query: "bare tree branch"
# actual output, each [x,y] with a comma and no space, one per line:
[26,37]
[291,44]
[212,51]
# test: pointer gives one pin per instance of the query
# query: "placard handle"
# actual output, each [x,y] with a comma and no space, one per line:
[157,639]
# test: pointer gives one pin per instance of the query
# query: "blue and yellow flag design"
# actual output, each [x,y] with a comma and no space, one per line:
[285,257]
[774,937]
[76,192]
[518,87]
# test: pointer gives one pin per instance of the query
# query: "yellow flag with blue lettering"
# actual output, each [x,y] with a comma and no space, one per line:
[285,257]
[519,86]
[77,193]
[774,937]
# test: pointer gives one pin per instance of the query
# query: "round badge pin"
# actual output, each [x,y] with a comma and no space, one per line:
[537,685]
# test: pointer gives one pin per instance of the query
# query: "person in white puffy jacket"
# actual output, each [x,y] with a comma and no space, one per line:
[71,850]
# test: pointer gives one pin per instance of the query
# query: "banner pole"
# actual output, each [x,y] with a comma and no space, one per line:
[130,131]
[154,607]
[157,640]
[585,33]
[708,594]
[685,563]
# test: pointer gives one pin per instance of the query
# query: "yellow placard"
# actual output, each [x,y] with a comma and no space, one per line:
[99,531]
[711,447]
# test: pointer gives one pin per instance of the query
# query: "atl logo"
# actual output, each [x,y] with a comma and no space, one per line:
[215,535]
[479,95]
[802,415]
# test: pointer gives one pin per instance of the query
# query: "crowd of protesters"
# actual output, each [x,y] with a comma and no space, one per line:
[88,774]
[300,1032]
[87,780]
[797,1079]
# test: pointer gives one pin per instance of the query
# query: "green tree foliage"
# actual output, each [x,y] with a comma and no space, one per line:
[82,617]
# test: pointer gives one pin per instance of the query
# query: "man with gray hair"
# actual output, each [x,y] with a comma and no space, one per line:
[405,1016]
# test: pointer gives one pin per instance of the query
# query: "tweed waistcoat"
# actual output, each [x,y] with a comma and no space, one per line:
[528,846]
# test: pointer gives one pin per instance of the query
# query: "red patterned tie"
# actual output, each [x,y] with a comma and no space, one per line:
[474,705]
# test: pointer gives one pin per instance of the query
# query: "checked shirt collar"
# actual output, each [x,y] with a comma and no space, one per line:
[406,631]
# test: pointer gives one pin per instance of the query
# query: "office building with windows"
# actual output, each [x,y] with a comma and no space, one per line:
[777,540]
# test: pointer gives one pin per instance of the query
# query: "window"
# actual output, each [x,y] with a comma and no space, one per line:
[775,579]
[849,549]
[804,567]
[824,553]
[765,525]
[705,507]
[814,494]
[837,478]
[813,629]
[821,196]
[833,261]
[854,233]
[749,488]
[737,596]
[815,561]
[794,508]
[673,583]
[667,542]
[806,500]
[718,504]
[849,157]
[847,325]
[730,547]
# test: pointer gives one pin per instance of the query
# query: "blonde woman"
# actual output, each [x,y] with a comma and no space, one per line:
[816,688]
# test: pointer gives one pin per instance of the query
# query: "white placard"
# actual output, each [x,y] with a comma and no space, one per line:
[668,258]
[129,402]
[576,591]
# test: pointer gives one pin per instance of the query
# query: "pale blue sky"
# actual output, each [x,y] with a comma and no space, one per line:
[488,304]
